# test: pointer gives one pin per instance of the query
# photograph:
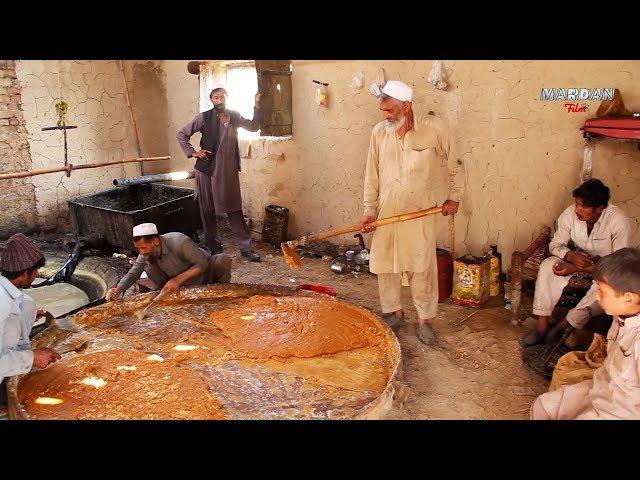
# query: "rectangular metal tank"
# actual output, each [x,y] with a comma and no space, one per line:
[115,212]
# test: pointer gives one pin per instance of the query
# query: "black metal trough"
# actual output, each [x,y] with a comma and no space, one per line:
[113,213]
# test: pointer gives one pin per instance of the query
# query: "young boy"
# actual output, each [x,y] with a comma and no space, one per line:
[614,391]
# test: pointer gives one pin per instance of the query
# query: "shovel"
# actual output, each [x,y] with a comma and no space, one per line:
[140,314]
[289,248]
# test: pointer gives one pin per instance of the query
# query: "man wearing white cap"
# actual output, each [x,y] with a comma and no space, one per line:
[217,167]
[171,260]
[402,150]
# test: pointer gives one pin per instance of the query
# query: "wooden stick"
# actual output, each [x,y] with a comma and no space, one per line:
[549,355]
[459,323]
[69,168]
[356,227]
[66,127]
[404,217]
[133,118]
[452,233]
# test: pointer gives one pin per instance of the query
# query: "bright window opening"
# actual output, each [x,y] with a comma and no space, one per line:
[241,84]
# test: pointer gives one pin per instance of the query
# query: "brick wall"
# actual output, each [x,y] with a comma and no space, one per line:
[17,196]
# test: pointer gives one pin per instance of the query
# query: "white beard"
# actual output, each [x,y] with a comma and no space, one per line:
[393,126]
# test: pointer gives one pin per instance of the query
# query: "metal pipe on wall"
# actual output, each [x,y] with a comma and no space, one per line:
[161,177]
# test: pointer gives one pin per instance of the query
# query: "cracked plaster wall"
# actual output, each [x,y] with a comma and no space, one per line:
[523,156]
[182,92]
[148,94]
[182,105]
[94,91]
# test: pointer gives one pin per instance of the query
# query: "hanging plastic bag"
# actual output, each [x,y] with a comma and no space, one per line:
[357,81]
[381,78]
[322,94]
[436,76]
[587,162]
[378,83]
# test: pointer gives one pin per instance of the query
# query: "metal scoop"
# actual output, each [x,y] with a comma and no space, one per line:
[78,348]
[140,314]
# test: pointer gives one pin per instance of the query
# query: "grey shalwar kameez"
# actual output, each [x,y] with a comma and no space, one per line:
[217,179]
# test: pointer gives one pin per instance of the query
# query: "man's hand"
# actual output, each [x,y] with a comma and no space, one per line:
[41,312]
[368,219]
[258,96]
[450,207]
[113,294]
[564,269]
[203,154]
[44,356]
[594,260]
[172,285]
[581,260]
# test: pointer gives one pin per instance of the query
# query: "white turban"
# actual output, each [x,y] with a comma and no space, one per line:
[145,229]
[218,86]
[398,90]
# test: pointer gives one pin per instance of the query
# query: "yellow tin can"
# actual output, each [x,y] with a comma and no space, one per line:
[471,280]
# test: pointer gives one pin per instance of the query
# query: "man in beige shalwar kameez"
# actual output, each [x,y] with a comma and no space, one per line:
[403,150]
[614,391]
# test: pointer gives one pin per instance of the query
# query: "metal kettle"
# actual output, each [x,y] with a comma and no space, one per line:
[352,261]
[362,257]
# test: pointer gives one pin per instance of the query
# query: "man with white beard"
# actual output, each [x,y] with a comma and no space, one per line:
[402,150]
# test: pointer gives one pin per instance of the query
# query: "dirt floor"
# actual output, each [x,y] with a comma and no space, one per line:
[474,372]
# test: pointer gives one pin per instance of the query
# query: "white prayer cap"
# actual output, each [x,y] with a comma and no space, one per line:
[398,90]
[145,229]
[217,86]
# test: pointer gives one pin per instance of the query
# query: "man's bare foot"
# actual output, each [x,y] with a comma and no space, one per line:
[394,319]
[425,333]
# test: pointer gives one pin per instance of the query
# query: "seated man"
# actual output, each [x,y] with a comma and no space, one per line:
[614,391]
[171,260]
[597,229]
[20,262]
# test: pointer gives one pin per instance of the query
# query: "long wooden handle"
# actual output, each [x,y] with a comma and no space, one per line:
[405,216]
[156,299]
[133,118]
[356,227]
